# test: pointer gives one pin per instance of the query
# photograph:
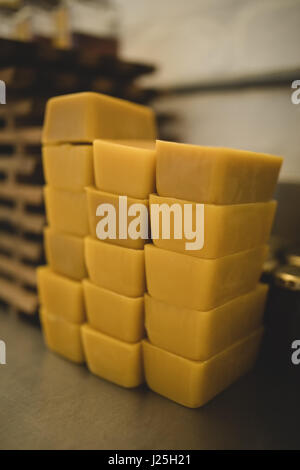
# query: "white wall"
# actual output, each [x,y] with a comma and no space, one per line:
[200,40]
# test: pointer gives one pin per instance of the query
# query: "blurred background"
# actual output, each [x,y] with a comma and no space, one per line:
[217,72]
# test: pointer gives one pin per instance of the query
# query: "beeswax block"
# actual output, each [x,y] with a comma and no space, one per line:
[111,359]
[227,229]
[200,335]
[108,220]
[126,168]
[194,383]
[201,284]
[60,295]
[84,117]
[66,210]
[215,175]
[114,314]
[116,268]
[65,253]
[62,337]
[68,166]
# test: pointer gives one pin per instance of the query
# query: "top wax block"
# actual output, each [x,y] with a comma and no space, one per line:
[125,167]
[215,175]
[84,117]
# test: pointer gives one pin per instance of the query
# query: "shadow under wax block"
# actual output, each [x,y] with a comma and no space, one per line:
[96,198]
[66,210]
[227,229]
[112,359]
[65,253]
[192,383]
[68,166]
[62,337]
[200,335]
[116,268]
[60,295]
[125,167]
[201,284]
[114,314]
[215,175]
[84,117]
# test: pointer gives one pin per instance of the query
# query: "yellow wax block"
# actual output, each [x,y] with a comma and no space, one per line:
[126,168]
[112,359]
[116,268]
[68,166]
[200,335]
[215,175]
[201,284]
[227,229]
[194,383]
[84,117]
[67,210]
[61,296]
[62,337]
[114,314]
[65,253]
[139,224]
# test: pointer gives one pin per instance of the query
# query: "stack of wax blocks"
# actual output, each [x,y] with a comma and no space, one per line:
[204,307]
[114,293]
[72,123]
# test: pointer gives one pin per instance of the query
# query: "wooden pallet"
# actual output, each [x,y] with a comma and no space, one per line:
[21,209]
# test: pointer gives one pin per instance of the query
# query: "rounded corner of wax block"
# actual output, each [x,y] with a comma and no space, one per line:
[192,402]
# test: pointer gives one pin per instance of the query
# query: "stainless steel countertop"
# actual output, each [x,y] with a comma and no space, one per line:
[49,403]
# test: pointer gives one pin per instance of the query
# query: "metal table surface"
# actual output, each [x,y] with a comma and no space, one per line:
[49,403]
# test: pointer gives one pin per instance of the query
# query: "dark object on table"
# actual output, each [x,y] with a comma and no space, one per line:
[282,320]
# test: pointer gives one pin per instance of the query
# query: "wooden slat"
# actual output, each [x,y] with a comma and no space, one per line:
[31,222]
[18,296]
[18,270]
[21,247]
[29,194]
[7,74]
[20,108]
[24,166]
[30,135]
